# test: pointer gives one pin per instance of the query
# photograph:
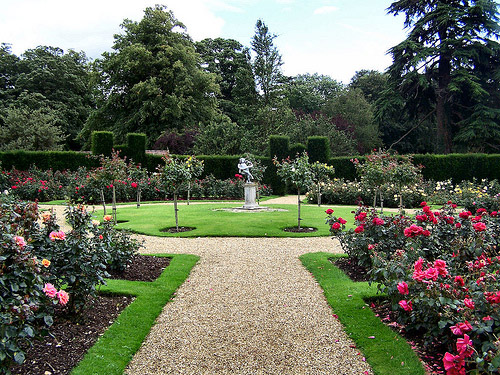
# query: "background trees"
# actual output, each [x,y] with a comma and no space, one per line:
[449,43]
[153,80]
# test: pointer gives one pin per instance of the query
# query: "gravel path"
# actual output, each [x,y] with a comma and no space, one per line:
[248,307]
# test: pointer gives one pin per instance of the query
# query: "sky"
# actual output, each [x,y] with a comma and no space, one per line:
[330,37]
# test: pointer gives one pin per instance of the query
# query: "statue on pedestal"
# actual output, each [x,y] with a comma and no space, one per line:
[244,169]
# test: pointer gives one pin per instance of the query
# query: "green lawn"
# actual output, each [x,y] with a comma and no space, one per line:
[385,350]
[210,221]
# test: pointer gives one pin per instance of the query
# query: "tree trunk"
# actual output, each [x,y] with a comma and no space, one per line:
[189,192]
[138,196]
[298,200]
[375,199]
[442,96]
[114,204]
[381,202]
[103,201]
[319,195]
[175,210]
[400,201]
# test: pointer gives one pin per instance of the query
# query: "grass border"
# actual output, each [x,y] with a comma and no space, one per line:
[114,350]
[385,350]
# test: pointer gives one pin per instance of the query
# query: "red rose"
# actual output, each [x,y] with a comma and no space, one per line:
[329,211]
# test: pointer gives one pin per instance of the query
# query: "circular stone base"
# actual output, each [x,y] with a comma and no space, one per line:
[254,209]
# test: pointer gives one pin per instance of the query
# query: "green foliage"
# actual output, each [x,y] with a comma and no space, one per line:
[102,143]
[30,130]
[370,82]
[279,147]
[267,63]
[308,93]
[446,65]
[136,147]
[152,81]
[57,160]
[297,148]
[220,136]
[318,149]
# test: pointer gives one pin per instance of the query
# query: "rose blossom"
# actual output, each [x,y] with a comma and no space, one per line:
[465,214]
[359,229]
[49,290]
[492,297]
[329,211]
[46,262]
[479,227]
[371,247]
[403,288]
[107,218]
[465,346]
[336,226]
[342,221]
[469,303]
[453,363]
[431,274]
[461,328]
[406,305]
[133,184]
[63,297]
[57,235]
[20,241]
[378,221]
[459,280]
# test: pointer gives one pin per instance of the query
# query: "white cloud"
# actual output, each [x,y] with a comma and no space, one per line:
[325,10]
[286,2]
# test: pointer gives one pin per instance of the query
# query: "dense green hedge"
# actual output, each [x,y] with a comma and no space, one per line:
[318,149]
[101,143]
[136,147]
[57,160]
[458,167]
[297,148]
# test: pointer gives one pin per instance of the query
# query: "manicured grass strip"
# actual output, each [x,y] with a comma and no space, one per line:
[114,350]
[210,220]
[387,353]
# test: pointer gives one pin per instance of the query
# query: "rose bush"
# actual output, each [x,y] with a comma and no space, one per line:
[441,271]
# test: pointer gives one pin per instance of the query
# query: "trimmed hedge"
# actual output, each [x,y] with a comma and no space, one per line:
[57,160]
[297,148]
[136,147]
[102,143]
[318,149]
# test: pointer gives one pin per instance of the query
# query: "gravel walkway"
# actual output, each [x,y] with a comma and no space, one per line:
[248,307]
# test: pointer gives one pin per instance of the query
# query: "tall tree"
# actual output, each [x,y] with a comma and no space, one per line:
[267,63]
[371,82]
[231,62]
[9,71]
[309,93]
[152,81]
[449,41]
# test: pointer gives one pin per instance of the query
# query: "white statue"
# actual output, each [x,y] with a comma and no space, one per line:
[244,168]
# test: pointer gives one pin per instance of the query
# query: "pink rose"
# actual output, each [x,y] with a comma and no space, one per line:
[63,297]
[378,221]
[479,227]
[452,363]
[49,290]
[342,221]
[418,265]
[20,241]
[134,184]
[371,247]
[329,211]
[459,280]
[465,346]
[60,235]
[469,303]
[431,274]
[406,305]
[403,288]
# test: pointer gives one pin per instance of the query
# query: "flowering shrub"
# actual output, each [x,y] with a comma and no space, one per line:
[24,294]
[340,191]
[440,270]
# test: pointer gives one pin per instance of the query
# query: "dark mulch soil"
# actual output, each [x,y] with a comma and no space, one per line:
[143,268]
[69,341]
[301,230]
[430,355]
[175,230]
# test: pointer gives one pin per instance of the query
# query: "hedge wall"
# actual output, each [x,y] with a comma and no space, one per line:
[318,149]
[57,160]
[101,143]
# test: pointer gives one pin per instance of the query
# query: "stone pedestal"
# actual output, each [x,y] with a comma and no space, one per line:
[250,196]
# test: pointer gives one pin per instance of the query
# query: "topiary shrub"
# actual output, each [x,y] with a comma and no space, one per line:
[297,148]
[102,143]
[136,147]
[318,149]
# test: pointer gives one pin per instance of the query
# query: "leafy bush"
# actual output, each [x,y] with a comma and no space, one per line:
[440,270]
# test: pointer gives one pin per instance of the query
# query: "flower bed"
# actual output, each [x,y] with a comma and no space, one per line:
[440,269]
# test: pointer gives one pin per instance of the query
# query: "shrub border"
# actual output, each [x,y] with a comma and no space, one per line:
[388,352]
[115,349]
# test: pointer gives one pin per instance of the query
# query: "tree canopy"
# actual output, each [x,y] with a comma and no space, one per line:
[152,81]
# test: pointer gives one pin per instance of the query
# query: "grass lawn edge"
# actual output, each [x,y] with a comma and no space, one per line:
[116,347]
[385,350]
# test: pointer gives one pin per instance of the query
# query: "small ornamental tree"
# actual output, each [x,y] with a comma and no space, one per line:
[404,173]
[111,170]
[322,174]
[173,174]
[138,178]
[195,168]
[298,173]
